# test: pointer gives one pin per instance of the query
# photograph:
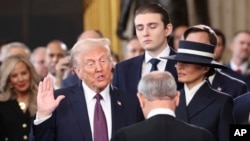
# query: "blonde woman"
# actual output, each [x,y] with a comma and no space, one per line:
[19,86]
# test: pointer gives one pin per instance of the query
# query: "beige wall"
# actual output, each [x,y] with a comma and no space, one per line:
[229,16]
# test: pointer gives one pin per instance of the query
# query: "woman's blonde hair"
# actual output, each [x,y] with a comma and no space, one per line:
[6,88]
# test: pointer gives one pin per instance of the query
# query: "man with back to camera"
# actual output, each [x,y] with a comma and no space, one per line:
[158,99]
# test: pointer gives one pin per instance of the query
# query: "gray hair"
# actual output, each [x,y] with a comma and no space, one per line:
[157,85]
[85,45]
[5,50]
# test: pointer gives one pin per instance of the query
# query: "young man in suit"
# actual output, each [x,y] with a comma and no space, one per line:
[158,99]
[219,80]
[92,98]
[152,26]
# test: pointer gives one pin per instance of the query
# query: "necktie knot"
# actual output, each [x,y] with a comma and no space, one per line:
[98,97]
[238,71]
[154,63]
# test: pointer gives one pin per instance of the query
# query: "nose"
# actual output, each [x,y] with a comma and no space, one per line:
[98,66]
[145,31]
[20,77]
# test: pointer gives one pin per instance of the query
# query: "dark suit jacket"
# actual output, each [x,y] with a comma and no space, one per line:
[14,124]
[209,109]
[242,109]
[70,80]
[162,128]
[127,74]
[227,84]
[70,120]
[245,78]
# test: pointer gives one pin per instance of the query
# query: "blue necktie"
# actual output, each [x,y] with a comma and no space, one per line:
[154,63]
[100,123]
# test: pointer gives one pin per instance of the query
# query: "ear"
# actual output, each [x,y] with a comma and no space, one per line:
[177,98]
[168,29]
[141,99]
[206,69]
[77,70]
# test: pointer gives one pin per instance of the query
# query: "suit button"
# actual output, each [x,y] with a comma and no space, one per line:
[25,137]
[24,125]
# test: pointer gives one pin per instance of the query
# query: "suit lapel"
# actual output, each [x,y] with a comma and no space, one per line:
[218,82]
[78,103]
[116,108]
[181,109]
[202,99]
[134,73]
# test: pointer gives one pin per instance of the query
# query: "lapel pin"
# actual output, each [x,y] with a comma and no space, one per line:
[219,89]
[119,103]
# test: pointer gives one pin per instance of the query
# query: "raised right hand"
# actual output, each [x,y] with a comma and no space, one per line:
[46,102]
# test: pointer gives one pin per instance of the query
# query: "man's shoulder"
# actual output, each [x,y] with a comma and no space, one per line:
[229,78]
[131,60]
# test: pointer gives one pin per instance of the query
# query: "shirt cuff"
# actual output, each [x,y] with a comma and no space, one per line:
[40,120]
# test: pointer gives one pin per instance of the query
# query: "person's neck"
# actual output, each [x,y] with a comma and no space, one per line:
[238,62]
[156,52]
[190,85]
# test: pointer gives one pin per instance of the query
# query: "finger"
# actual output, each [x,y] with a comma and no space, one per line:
[40,89]
[51,84]
[59,99]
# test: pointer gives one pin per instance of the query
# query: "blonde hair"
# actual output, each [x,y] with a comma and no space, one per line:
[5,87]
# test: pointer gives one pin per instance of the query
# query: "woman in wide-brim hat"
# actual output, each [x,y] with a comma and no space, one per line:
[200,104]
[194,62]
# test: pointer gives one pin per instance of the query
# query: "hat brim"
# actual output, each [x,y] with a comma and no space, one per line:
[195,60]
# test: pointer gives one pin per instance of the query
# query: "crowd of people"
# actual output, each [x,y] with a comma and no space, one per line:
[171,85]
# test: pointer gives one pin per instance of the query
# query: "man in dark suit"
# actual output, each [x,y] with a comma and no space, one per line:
[239,63]
[242,109]
[153,26]
[219,81]
[82,104]
[158,98]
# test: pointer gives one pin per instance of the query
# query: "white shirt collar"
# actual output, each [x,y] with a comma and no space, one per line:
[211,78]
[242,67]
[189,94]
[159,111]
[164,53]
[89,93]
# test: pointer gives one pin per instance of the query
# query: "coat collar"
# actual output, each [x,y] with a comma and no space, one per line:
[202,99]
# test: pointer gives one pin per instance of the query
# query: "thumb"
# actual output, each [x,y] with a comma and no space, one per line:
[59,98]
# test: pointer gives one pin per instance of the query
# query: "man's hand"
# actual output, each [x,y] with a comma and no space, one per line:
[46,103]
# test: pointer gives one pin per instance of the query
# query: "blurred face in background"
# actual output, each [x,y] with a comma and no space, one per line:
[54,52]
[134,49]
[38,61]
[219,49]
[240,47]
[20,78]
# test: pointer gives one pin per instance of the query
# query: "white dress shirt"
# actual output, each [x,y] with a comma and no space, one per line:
[243,67]
[106,106]
[160,111]
[189,93]
[146,65]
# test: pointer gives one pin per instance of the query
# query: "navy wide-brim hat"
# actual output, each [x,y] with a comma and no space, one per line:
[197,53]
